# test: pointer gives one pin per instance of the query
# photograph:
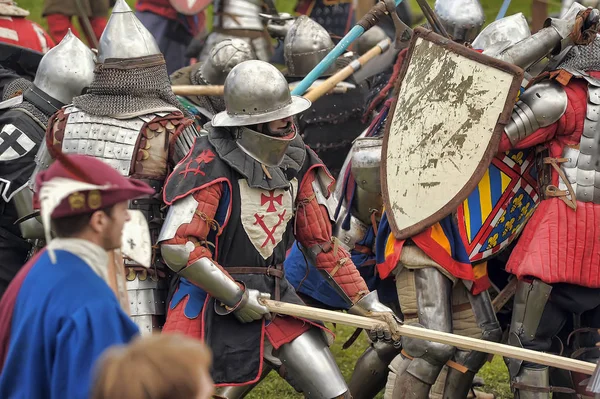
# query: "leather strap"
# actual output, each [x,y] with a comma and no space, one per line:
[269,271]
[273,271]
[553,191]
[455,309]
[363,249]
[449,363]
[530,388]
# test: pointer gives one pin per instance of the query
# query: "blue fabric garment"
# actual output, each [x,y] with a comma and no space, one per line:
[315,285]
[64,317]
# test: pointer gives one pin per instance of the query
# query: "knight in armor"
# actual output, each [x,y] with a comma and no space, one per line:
[23,123]
[435,288]
[130,119]
[556,261]
[16,29]
[213,71]
[248,188]
[239,19]
[172,28]
[331,124]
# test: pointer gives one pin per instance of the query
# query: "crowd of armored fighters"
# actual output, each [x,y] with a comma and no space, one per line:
[163,181]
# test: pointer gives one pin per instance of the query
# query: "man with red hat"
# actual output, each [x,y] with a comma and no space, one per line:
[61,312]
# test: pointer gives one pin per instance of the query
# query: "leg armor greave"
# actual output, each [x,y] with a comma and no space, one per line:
[434,293]
[310,367]
[422,361]
[239,392]
[529,303]
[371,370]
[458,384]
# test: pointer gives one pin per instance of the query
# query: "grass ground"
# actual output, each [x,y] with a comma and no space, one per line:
[494,373]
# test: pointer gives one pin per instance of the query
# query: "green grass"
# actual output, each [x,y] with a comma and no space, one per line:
[495,373]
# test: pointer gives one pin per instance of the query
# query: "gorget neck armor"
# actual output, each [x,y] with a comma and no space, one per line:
[125,88]
[268,150]
[229,151]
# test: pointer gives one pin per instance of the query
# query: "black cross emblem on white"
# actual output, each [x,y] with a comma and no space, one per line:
[14,143]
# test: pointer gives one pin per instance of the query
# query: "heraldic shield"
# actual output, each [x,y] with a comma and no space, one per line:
[450,106]
[496,211]
[190,7]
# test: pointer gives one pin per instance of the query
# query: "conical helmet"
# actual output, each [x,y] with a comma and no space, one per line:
[66,69]
[222,58]
[463,19]
[305,45]
[125,36]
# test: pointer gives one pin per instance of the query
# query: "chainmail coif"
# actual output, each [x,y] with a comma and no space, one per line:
[129,86]
[583,58]
[213,104]
[15,88]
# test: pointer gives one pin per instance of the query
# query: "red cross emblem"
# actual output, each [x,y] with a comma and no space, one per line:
[271,199]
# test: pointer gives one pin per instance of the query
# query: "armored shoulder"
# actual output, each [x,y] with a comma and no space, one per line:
[539,106]
[201,167]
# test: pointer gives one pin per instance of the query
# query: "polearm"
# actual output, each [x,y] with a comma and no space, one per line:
[459,341]
[86,25]
[370,19]
[329,84]
[315,92]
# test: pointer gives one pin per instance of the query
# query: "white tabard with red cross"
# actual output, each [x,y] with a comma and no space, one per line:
[265,214]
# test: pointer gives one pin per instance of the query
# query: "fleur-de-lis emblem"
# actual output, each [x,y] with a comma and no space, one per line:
[508,227]
[502,218]
[493,241]
[524,211]
[518,157]
[517,202]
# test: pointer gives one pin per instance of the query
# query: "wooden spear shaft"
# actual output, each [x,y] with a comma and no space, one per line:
[341,75]
[314,93]
[191,90]
[459,341]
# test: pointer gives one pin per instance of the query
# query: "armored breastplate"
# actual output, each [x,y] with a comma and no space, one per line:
[135,147]
[238,15]
[580,168]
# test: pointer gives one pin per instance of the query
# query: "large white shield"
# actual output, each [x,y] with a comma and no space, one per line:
[444,127]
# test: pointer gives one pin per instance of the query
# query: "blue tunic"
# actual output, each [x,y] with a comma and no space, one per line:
[64,317]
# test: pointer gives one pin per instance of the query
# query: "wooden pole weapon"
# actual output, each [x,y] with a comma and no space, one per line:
[459,341]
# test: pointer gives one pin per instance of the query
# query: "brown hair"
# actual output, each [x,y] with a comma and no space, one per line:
[70,226]
[165,366]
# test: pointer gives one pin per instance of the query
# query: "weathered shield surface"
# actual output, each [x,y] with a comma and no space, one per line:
[444,129]
[190,7]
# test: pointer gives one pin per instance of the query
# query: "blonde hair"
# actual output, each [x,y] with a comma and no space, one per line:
[165,366]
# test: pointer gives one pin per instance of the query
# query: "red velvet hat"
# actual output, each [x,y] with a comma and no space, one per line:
[79,184]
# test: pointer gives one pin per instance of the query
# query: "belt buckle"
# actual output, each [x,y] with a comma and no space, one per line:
[268,273]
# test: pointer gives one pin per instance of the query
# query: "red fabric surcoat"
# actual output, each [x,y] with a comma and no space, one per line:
[560,245]
[25,33]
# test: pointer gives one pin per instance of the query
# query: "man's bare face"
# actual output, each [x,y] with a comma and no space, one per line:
[111,236]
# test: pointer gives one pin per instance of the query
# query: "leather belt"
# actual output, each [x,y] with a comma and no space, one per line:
[272,271]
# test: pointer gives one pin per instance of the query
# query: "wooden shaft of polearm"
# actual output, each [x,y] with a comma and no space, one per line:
[313,94]
[192,90]
[459,341]
[316,92]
